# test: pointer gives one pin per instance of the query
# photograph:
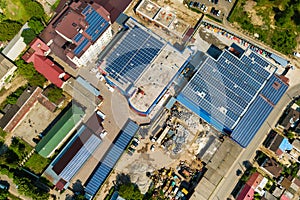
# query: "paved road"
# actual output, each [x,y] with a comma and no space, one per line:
[228,183]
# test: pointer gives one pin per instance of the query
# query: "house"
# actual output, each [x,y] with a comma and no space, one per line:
[78,33]
[271,167]
[13,114]
[256,183]
[295,184]
[16,46]
[286,183]
[280,145]
[60,129]
[292,118]
[37,54]
[7,69]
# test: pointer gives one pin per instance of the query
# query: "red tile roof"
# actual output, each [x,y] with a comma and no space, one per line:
[60,184]
[247,193]
[42,64]
[255,180]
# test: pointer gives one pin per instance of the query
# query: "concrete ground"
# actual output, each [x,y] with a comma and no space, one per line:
[35,122]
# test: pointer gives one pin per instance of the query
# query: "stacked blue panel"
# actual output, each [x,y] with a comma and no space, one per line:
[132,56]
[81,46]
[251,122]
[78,37]
[262,62]
[274,89]
[110,158]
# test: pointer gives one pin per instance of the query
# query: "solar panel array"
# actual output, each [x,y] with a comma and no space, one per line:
[96,23]
[81,46]
[225,88]
[274,89]
[251,121]
[80,158]
[110,158]
[133,55]
[78,37]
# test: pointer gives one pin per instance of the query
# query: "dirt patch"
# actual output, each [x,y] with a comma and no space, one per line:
[255,19]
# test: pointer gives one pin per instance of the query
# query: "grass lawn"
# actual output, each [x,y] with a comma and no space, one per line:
[15,10]
[279,26]
[37,163]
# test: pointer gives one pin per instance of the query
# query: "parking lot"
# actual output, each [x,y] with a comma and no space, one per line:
[216,8]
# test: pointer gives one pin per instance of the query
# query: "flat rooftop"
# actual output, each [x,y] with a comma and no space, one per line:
[179,27]
[131,55]
[148,9]
[165,17]
[155,78]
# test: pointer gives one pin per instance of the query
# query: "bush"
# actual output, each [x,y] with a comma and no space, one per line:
[55,94]
[8,29]
[36,25]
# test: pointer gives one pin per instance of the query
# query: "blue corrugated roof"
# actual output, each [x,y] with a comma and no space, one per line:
[88,86]
[78,37]
[283,62]
[110,158]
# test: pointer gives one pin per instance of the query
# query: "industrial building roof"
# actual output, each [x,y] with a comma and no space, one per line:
[88,86]
[76,152]
[233,93]
[110,159]
[62,127]
[283,62]
[132,55]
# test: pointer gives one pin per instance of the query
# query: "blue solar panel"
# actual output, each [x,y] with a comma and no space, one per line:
[78,37]
[81,46]
[274,89]
[110,158]
[96,24]
[132,56]
[251,122]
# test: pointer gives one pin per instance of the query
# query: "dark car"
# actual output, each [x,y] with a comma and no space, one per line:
[212,11]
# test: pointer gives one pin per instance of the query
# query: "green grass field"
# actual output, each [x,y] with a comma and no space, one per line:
[16,11]
[280,22]
[37,163]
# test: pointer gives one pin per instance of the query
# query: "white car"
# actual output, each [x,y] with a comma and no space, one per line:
[218,13]
[297,54]
[205,9]
[136,140]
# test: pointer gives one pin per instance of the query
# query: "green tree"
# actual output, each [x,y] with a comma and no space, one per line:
[8,29]
[130,192]
[55,94]
[36,25]
[28,35]
[3,194]
[35,9]
[28,71]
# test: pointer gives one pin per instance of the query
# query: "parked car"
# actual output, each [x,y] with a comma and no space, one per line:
[136,140]
[152,148]
[297,54]
[205,9]
[218,13]
[134,143]
[191,3]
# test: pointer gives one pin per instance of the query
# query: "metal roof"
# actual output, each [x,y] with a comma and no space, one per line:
[88,86]
[59,130]
[283,62]
[110,159]
[222,90]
